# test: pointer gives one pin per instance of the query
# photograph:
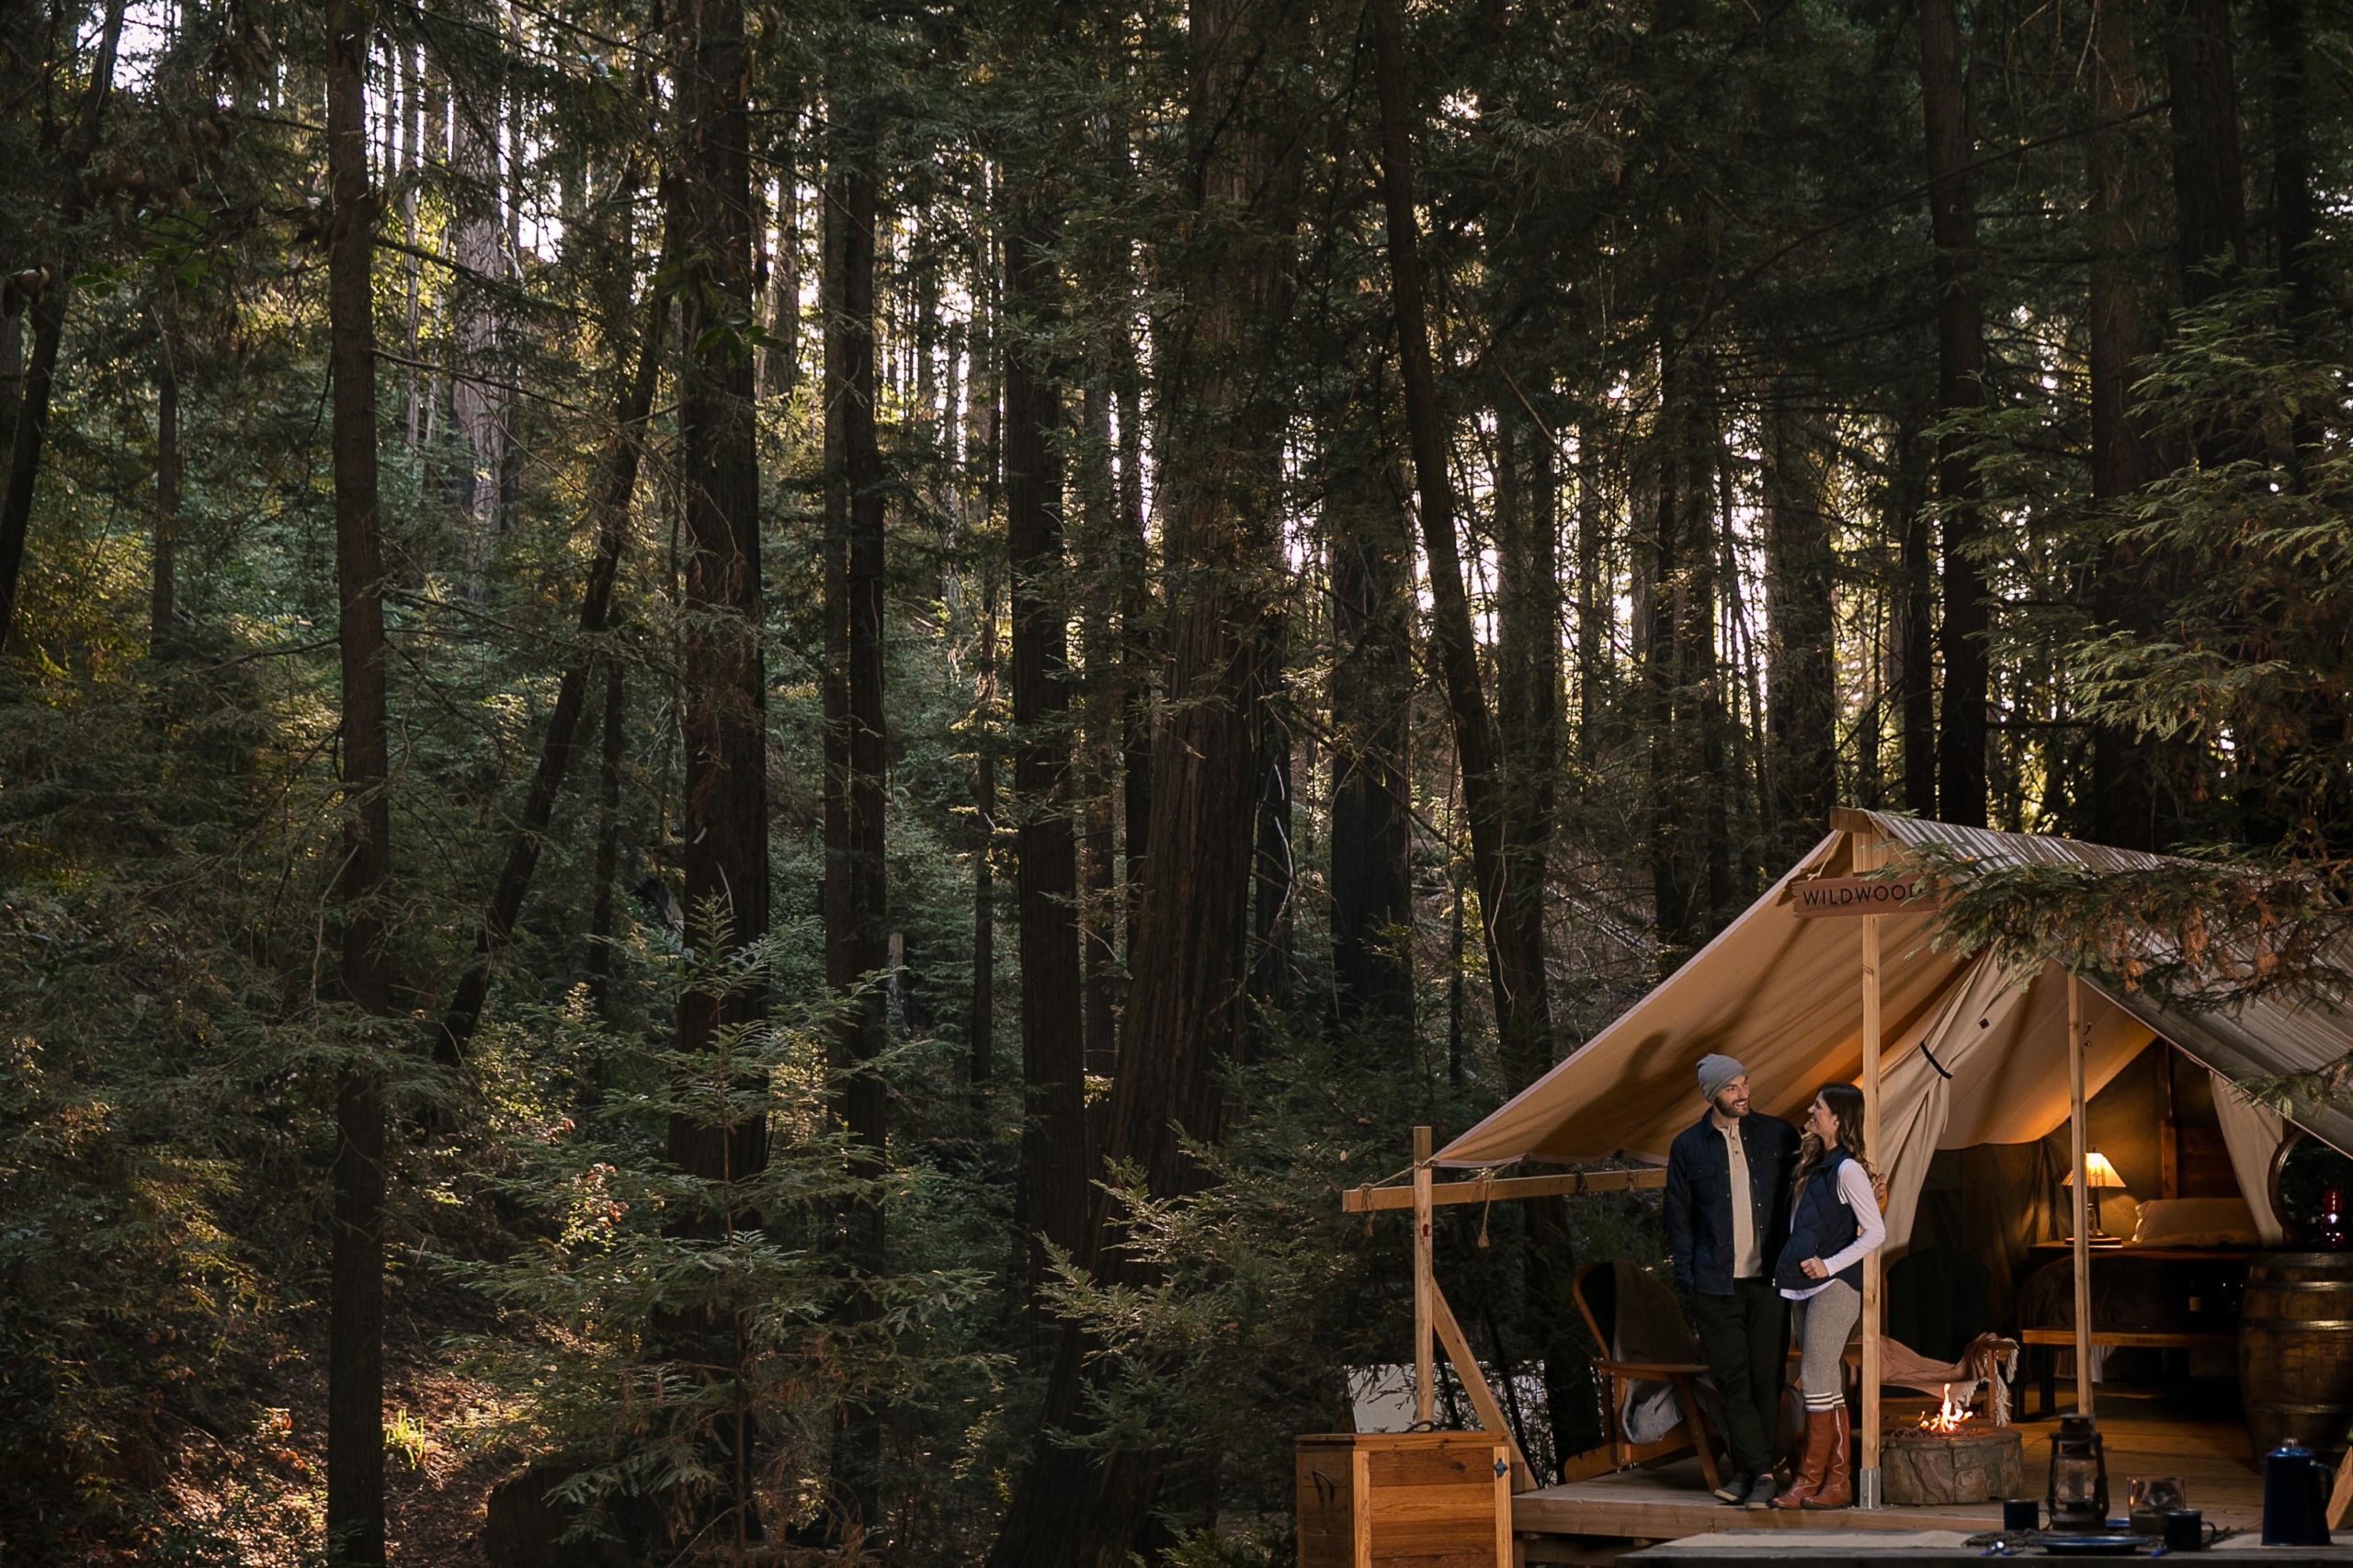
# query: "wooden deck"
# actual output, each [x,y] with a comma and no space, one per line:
[1575,1523]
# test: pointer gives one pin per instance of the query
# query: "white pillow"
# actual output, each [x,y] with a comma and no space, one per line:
[2195,1222]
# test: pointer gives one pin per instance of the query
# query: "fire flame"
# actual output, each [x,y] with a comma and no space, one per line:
[1948,1414]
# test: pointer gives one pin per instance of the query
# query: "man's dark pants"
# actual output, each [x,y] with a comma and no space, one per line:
[1746,1337]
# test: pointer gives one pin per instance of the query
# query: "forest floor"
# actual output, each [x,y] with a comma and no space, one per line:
[264,1492]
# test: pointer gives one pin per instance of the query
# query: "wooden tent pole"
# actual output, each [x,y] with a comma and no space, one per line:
[1424,1289]
[2080,1135]
[1868,1483]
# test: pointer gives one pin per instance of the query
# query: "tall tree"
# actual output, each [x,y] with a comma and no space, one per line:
[2129,806]
[1366,533]
[723,707]
[1960,364]
[615,484]
[355,1517]
[1185,1017]
[479,375]
[1516,963]
[49,286]
[856,917]
[1801,619]
[2208,170]
[1054,1167]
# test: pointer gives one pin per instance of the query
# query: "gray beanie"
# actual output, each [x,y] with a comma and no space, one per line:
[1715,1072]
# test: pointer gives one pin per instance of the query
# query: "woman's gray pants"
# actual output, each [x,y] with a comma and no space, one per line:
[1825,1321]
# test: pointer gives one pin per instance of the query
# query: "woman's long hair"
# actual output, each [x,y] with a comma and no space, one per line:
[1846,1103]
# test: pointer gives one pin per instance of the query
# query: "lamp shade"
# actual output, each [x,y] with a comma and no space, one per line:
[2102,1172]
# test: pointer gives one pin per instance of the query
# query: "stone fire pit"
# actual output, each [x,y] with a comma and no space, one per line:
[1950,1458]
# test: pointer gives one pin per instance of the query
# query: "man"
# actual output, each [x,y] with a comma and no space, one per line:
[1728,1180]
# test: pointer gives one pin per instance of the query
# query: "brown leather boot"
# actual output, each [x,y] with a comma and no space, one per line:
[1816,1463]
[1837,1488]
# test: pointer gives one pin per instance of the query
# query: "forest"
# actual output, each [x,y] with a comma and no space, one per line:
[743,747]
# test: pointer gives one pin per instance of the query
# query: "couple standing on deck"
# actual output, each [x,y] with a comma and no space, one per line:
[1758,1218]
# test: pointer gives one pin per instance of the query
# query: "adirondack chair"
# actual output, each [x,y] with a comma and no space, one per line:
[1603,1292]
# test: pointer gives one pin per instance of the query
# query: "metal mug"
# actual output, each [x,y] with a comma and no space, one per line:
[2186,1530]
[2020,1515]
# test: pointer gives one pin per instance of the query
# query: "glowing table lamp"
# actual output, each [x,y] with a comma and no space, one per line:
[2103,1176]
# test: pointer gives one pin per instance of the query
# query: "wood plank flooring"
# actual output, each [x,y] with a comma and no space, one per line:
[2211,1458]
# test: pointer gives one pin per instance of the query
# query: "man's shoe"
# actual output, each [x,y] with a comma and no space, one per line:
[1760,1490]
[1732,1488]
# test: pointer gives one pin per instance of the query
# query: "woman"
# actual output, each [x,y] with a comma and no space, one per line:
[1834,1223]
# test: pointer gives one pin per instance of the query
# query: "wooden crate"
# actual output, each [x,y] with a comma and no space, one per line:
[1404,1500]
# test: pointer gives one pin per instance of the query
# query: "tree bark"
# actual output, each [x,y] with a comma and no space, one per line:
[1051,1206]
[2208,173]
[598,963]
[1271,868]
[1516,967]
[30,428]
[1099,740]
[980,1027]
[1528,689]
[1960,361]
[2128,808]
[1915,652]
[1373,680]
[723,706]
[1221,473]
[1683,716]
[163,587]
[857,928]
[477,405]
[1801,615]
[355,1514]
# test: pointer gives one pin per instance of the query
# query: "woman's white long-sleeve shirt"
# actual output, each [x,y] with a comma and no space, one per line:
[1855,1191]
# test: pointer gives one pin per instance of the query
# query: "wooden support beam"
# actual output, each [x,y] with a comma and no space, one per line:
[1475,1385]
[1424,1286]
[1383,1199]
[1867,859]
[2079,1135]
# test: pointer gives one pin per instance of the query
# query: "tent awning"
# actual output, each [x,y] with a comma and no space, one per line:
[1784,996]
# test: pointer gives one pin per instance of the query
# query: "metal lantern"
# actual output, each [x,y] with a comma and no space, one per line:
[2078,1499]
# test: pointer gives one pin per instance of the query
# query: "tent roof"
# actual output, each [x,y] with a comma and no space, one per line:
[1784,994]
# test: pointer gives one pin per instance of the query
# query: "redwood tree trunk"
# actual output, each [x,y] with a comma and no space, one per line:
[725,702]
[355,1517]
[981,1025]
[2208,173]
[1221,475]
[1800,618]
[1516,967]
[857,928]
[1915,652]
[1372,679]
[2127,805]
[1051,1208]
[1960,361]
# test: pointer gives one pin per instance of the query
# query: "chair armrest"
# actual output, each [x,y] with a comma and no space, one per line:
[1651,1368]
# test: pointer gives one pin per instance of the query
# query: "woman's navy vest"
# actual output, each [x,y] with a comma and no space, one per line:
[1820,1225]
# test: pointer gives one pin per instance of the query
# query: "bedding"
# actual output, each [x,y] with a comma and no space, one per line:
[2195,1222]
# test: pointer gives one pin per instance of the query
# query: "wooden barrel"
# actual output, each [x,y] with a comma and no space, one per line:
[2296,1351]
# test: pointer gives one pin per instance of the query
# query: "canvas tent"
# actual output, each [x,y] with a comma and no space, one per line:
[1951,1050]
[1970,1053]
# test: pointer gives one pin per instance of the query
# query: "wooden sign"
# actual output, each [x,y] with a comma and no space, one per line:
[1858,896]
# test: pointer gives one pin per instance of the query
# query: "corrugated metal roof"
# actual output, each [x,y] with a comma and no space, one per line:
[1983,846]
